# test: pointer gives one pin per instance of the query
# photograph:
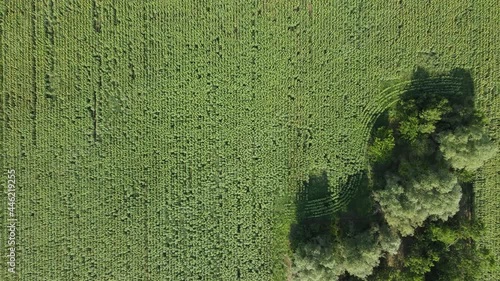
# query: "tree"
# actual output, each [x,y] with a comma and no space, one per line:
[461,258]
[465,260]
[407,203]
[362,253]
[390,241]
[439,142]
[317,260]
[466,148]
[418,120]
[381,148]
[357,255]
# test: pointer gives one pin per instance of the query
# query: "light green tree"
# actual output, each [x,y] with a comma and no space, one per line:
[389,240]
[317,260]
[383,144]
[415,122]
[362,253]
[466,148]
[357,255]
[428,194]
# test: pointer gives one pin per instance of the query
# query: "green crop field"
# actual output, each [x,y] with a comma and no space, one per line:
[165,140]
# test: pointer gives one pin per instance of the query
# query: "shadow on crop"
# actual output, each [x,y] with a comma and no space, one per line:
[359,213]
[309,226]
[316,214]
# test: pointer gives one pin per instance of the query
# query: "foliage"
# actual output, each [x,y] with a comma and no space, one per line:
[382,145]
[408,203]
[356,255]
[420,185]
[461,257]
[467,148]
[417,122]
[362,253]
[344,244]
[317,261]
[440,141]
[153,137]
[464,260]
[390,240]
[421,193]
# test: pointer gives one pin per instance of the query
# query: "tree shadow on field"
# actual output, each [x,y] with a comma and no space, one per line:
[316,214]
[311,225]
[359,212]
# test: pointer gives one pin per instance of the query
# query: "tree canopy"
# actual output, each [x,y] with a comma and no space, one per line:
[466,148]
[407,203]
[423,153]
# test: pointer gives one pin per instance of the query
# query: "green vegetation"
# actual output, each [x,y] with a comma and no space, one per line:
[466,149]
[169,139]
[425,184]
[418,186]
[327,247]
[440,251]
[381,148]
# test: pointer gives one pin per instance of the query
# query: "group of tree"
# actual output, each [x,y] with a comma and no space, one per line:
[439,140]
[439,251]
[423,154]
[328,258]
